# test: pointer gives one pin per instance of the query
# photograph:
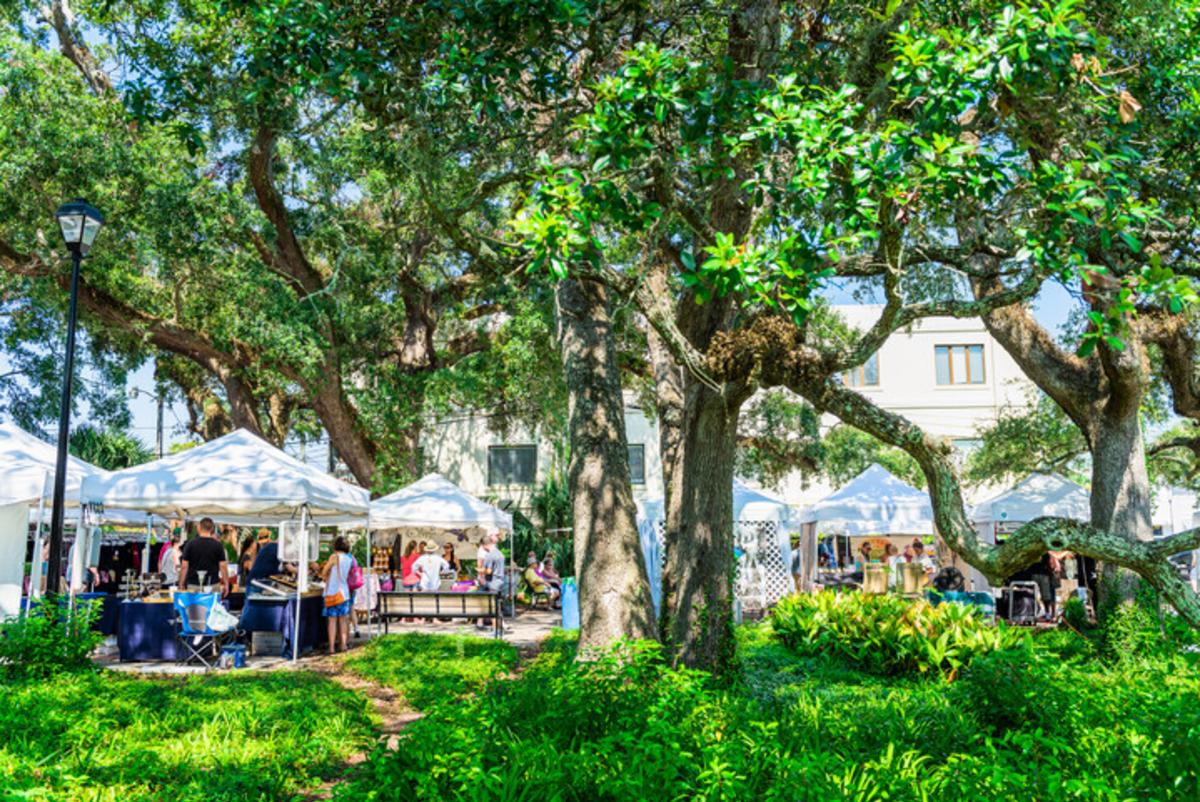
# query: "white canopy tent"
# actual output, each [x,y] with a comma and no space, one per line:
[27,468]
[433,502]
[237,479]
[873,503]
[1037,495]
[436,502]
[750,506]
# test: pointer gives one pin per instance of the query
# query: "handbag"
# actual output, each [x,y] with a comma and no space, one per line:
[337,598]
[354,579]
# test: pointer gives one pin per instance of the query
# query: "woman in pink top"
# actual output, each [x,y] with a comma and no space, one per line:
[411,553]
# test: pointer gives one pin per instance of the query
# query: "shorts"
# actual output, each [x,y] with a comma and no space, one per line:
[338,610]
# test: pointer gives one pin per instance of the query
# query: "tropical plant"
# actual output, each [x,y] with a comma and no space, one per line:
[107,448]
[889,634]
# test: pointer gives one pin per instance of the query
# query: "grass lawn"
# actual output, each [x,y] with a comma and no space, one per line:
[427,669]
[111,736]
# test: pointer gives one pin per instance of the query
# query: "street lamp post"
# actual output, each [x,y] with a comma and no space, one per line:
[79,223]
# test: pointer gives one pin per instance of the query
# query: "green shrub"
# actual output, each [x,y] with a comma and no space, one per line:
[50,641]
[629,727]
[888,634]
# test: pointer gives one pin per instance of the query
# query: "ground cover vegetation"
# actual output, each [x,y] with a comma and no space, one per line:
[1046,718]
[101,735]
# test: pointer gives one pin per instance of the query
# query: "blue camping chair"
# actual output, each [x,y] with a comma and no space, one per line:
[985,603]
[196,641]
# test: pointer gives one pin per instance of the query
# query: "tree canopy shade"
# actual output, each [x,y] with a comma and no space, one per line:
[338,209]
[283,253]
[955,158]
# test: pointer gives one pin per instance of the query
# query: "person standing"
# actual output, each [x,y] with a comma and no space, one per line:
[429,568]
[490,575]
[450,557]
[411,553]
[206,555]
[169,561]
[338,599]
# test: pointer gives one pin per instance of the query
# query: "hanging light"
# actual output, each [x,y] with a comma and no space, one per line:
[80,223]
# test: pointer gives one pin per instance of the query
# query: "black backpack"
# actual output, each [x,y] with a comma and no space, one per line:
[949,578]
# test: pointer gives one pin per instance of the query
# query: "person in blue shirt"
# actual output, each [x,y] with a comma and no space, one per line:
[266,564]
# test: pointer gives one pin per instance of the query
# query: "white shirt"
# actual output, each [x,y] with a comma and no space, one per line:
[429,568]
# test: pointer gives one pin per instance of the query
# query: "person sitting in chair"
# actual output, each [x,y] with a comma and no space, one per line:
[536,583]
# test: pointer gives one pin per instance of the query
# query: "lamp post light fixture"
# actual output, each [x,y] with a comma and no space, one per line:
[79,223]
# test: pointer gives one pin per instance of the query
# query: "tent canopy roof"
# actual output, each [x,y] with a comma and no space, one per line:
[434,501]
[873,503]
[1034,496]
[749,504]
[238,478]
[27,466]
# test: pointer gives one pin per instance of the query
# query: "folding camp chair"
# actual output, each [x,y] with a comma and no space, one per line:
[196,641]
[1022,603]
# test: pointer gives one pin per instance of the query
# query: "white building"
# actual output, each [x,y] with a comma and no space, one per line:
[946,375]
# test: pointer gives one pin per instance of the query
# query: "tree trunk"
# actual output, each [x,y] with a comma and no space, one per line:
[340,420]
[697,583]
[614,589]
[1120,484]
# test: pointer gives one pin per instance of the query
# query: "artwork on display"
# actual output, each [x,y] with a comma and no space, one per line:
[466,541]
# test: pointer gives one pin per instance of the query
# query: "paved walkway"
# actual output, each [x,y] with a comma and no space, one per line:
[525,632]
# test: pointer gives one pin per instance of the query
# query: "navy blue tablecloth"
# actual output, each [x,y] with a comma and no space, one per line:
[145,631]
[267,614]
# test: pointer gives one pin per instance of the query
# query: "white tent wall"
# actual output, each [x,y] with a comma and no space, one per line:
[752,509]
[14,535]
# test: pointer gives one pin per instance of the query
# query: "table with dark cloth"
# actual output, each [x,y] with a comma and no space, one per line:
[270,614]
[146,631]
[109,611]
[106,623]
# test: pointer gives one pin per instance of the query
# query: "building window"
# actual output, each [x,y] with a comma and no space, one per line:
[512,465]
[864,375]
[637,464]
[959,364]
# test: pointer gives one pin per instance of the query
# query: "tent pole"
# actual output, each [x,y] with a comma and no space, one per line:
[149,544]
[35,565]
[301,579]
[367,584]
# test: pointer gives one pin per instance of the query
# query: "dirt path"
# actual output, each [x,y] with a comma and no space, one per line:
[394,714]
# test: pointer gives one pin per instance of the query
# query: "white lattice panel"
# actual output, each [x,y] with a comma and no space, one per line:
[762,574]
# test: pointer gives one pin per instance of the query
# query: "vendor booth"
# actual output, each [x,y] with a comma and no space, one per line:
[762,530]
[237,479]
[1037,495]
[873,507]
[27,467]
[431,509]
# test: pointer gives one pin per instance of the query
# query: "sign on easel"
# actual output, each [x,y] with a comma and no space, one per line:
[299,546]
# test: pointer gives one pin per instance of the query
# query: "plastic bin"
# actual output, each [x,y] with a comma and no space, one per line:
[570,604]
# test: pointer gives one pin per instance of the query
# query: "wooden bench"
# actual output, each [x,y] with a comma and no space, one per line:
[434,604]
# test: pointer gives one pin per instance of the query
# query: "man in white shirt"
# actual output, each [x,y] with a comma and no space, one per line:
[429,567]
